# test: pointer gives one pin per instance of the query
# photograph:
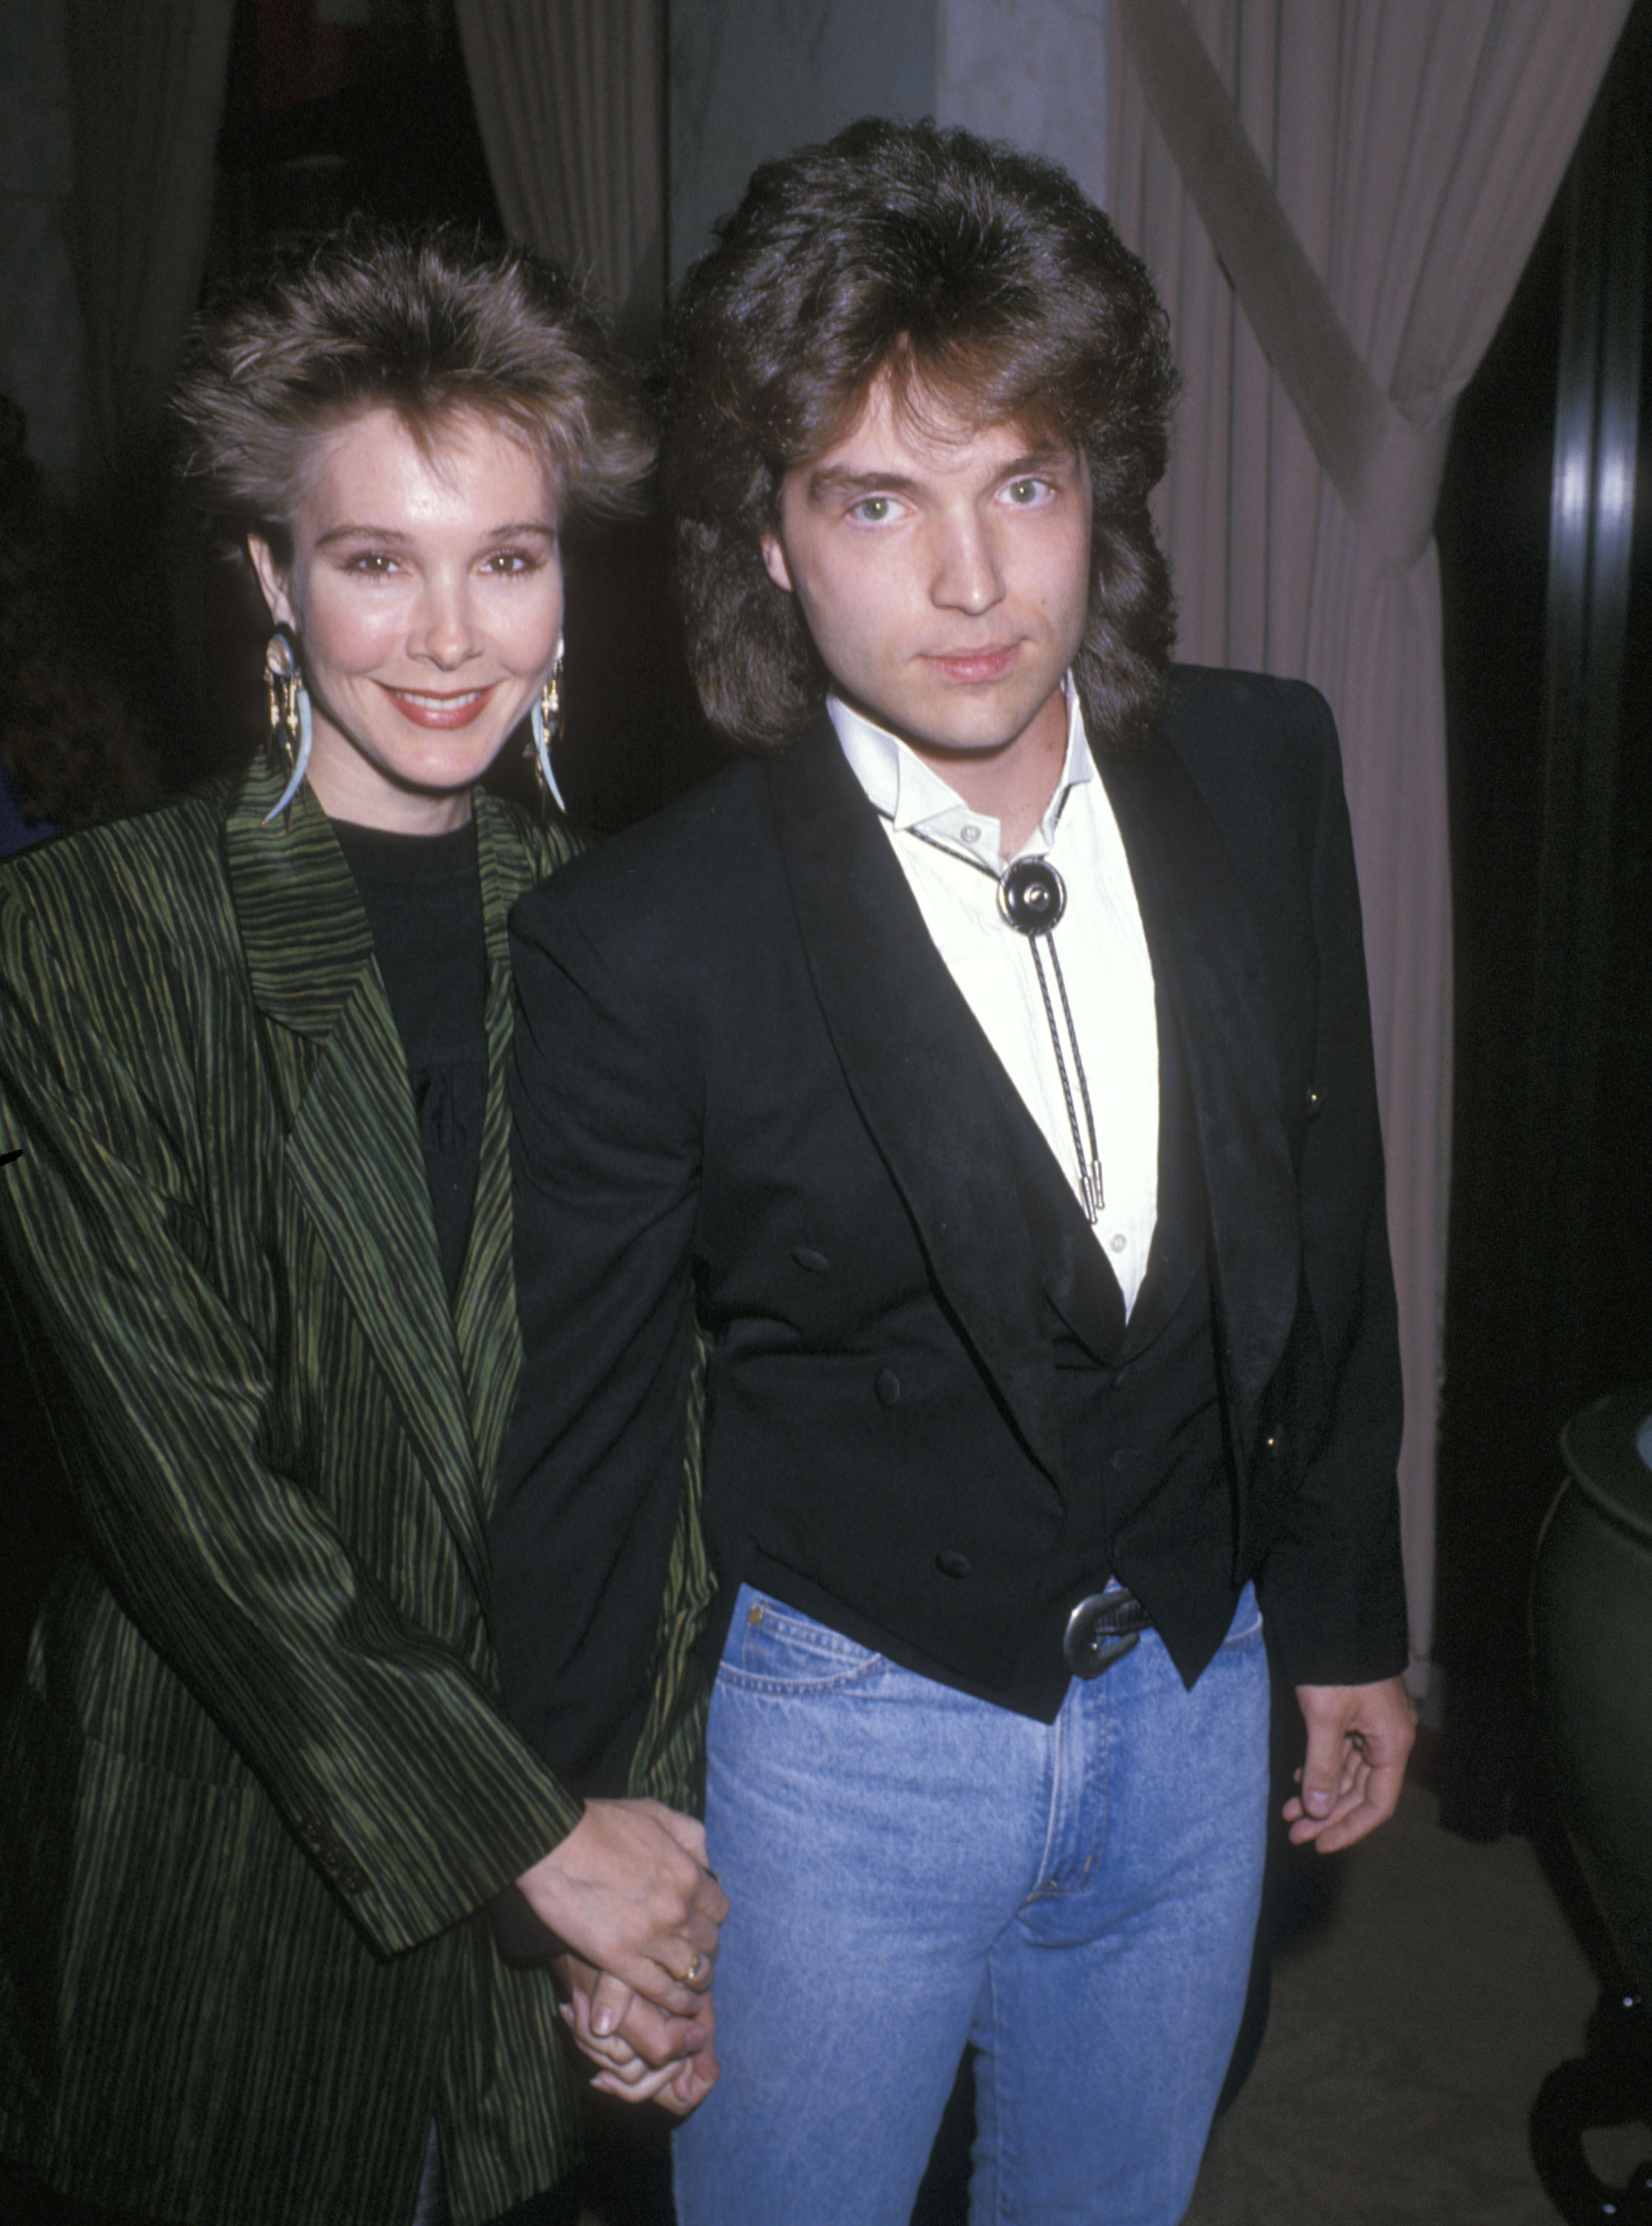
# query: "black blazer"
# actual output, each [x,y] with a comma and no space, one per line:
[748,1089]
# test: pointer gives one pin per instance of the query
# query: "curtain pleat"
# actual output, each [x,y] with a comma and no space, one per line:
[147,85]
[1414,152]
[570,98]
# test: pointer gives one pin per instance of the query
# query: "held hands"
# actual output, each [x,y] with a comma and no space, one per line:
[648,2057]
[629,1892]
[1359,1737]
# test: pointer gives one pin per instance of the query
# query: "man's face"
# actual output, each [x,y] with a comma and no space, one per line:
[942,570]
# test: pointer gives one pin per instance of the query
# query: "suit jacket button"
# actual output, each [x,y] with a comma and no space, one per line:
[806,1256]
[311,1833]
[887,1384]
[952,1563]
[352,1881]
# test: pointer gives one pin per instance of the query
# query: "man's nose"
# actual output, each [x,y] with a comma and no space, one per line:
[967,574]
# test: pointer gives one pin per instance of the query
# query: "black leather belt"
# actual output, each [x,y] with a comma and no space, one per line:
[1102,1630]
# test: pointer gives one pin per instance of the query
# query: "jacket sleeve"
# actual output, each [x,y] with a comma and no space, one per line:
[668,1760]
[591,1523]
[384,1752]
[1332,1588]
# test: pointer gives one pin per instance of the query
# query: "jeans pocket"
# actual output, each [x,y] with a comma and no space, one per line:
[772,1648]
[1246,1629]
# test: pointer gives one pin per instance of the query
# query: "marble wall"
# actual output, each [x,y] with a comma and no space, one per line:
[40,314]
[1030,71]
[752,78]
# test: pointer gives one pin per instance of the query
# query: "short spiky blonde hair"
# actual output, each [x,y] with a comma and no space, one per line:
[429,323]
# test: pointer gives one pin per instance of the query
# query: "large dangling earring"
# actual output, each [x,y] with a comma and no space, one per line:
[545,724]
[289,712]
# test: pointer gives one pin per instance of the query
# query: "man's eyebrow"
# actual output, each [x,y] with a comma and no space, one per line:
[1039,459]
[833,480]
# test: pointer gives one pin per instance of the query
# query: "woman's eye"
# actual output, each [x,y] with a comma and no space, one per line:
[508,561]
[373,562]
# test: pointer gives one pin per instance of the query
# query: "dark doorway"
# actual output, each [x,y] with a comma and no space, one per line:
[1547,569]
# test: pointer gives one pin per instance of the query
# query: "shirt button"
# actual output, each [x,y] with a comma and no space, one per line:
[970,834]
[1117,1243]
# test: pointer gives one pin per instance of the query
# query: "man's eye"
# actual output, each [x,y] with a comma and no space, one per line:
[873,509]
[1024,493]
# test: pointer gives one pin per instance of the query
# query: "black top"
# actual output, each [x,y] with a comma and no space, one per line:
[422,896]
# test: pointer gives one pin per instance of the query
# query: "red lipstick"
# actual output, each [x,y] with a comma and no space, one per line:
[427,708]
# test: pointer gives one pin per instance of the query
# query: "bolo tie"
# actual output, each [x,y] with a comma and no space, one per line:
[1031,897]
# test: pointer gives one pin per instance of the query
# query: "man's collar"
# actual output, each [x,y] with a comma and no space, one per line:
[908,793]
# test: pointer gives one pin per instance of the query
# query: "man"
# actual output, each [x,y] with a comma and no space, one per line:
[985,1068]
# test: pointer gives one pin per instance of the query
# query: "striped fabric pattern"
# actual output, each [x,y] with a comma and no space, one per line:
[257,1789]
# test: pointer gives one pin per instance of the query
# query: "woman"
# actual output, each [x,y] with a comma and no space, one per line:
[254,1199]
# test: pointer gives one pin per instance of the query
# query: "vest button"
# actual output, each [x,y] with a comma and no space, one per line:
[887,1384]
[952,1563]
[806,1256]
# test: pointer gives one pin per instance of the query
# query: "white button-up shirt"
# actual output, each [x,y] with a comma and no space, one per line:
[951,859]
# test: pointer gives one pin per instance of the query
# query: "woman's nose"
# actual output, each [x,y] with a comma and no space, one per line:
[445,631]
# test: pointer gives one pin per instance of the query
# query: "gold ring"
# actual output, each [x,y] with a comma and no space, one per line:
[696,1964]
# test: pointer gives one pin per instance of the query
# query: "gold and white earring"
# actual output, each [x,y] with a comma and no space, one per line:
[546,722]
[289,712]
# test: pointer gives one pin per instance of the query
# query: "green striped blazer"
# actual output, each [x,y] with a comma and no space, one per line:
[256,1791]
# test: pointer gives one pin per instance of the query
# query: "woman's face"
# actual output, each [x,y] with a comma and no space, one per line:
[426,593]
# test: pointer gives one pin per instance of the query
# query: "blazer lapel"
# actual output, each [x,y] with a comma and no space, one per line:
[920,1072]
[353,1153]
[485,1315]
[1210,984]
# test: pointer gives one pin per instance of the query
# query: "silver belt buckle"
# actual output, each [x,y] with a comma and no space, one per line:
[1087,1646]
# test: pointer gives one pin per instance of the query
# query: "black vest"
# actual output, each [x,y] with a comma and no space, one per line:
[1147,1491]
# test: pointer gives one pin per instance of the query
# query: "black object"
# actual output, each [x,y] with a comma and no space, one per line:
[1610,2085]
[1032,896]
[1102,1630]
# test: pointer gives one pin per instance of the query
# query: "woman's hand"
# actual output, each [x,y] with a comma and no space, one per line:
[648,2056]
[628,1890]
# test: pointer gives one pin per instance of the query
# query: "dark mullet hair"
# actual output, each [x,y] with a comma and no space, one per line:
[978,280]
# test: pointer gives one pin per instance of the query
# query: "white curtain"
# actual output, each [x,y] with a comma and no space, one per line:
[1373,174]
[569,96]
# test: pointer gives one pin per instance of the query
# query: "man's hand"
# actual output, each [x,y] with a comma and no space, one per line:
[629,1892]
[1358,1739]
[648,2056]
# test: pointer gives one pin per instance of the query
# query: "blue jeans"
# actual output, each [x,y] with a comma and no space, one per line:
[909,1869]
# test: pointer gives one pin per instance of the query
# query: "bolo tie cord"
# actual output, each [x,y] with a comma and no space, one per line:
[1031,897]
